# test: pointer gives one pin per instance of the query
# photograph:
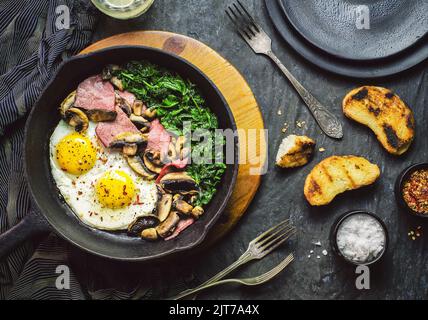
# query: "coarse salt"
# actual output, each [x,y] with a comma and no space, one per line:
[361,238]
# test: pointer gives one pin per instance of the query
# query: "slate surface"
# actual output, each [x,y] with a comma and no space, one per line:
[404,272]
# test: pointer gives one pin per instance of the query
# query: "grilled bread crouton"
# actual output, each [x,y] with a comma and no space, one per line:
[295,151]
[336,175]
[385,114]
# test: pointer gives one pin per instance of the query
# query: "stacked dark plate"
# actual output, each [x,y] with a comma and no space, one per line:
[356,38]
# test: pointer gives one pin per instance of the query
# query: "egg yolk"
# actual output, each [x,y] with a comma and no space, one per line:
[115,189]
[76,154]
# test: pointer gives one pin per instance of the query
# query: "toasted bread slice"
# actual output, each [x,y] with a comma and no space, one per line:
[336,175]
[383,112]
[295,151]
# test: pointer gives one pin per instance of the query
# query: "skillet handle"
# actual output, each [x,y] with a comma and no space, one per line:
[31,225]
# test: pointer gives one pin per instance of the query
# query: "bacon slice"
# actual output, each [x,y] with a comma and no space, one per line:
[182,225]
[159,138]
[179,164]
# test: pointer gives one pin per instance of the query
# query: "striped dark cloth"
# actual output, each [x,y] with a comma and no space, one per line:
[32,47]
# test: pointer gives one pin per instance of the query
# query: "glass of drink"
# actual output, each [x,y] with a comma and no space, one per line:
[123,9]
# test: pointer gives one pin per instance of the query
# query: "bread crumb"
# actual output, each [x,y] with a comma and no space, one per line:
[285,128]
[279,112]
[300,124]
[321,149]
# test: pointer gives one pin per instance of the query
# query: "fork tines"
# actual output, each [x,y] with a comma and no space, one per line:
[242,19]
[274,237]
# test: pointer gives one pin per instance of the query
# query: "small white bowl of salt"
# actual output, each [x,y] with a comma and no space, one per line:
[359,237]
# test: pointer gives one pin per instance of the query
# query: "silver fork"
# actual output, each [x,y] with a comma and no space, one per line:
[257,249]
[254,281]
[261,43]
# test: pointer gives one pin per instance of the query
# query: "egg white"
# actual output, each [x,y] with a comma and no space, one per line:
[79,191]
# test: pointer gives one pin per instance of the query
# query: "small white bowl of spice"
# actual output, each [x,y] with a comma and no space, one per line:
[359,237]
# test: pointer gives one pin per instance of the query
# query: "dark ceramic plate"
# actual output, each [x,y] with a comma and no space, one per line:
[45,117]
[335,229]
[401,179]
[350,68]
[335,26]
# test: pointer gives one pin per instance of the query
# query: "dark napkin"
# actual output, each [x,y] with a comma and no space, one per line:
[35,37]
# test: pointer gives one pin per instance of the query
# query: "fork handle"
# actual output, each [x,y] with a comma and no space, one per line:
[245,258]
[327,121]
[206,286]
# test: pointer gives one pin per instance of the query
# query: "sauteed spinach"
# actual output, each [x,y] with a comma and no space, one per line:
[176,101]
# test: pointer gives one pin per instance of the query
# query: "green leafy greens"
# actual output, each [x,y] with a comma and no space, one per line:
[177,101]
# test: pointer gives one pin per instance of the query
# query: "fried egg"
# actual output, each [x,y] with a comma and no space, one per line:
[96,182]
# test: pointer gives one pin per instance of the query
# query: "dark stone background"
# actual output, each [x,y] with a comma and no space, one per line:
[404,272]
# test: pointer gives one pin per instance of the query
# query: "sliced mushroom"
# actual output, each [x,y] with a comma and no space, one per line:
[109,71]
[137,107]
[128,138]
[150,234]
[123,104]
[152,161]
[183,207]
[130,150]
[67,103]
[197,212]
[167,227]
[142,223]
[164,206]
[99,115]
[139,121]
[144,129]
[177,197]
[117,83]
[155,157]
[150,113]
[77,119]
[192,199]
[137,164]
[179,182]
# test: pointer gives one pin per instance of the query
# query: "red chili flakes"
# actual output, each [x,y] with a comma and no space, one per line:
[138,201]
[415,191]
[103,159]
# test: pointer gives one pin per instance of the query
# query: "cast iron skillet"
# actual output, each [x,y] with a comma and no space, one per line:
[40,124]
[395,25]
